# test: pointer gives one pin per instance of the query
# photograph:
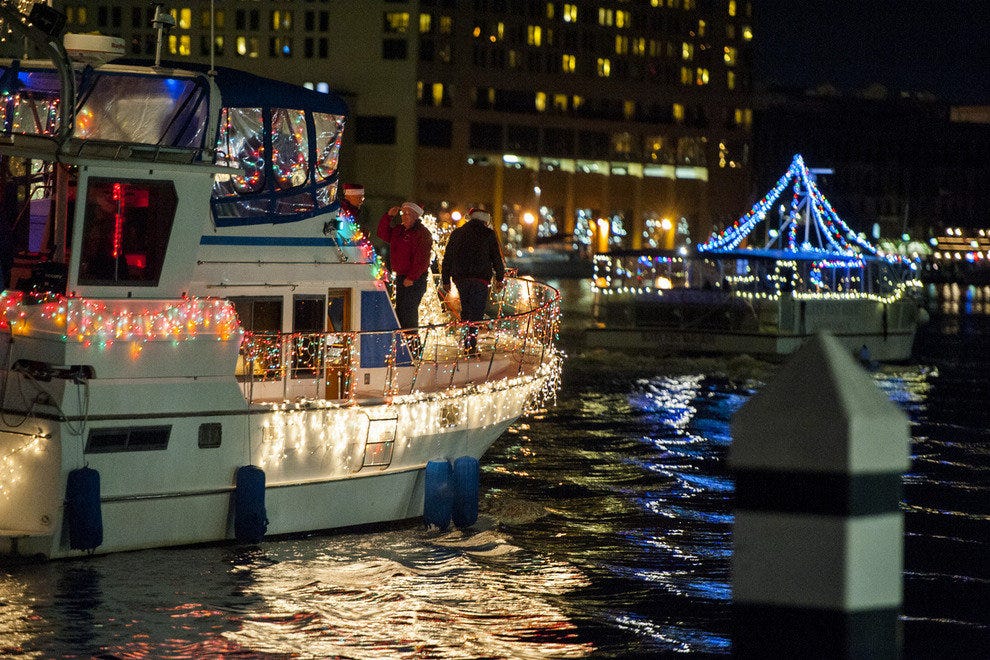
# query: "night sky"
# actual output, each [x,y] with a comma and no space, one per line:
[937,46]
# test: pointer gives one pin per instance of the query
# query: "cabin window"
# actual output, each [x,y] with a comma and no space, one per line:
[289,142]
[259,314]
[261,350]
[135,438]
[328,132]
[308,314]
[240,144]
[126,229]
[210,435]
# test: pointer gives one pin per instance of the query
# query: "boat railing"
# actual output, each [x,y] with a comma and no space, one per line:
[516,339]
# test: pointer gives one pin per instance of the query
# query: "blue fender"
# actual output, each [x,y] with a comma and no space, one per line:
[82,509]
[466,477]
[250,518]
[438,497]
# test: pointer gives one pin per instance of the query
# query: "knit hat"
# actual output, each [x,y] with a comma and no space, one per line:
[413,207]
[480,214]
[353,189]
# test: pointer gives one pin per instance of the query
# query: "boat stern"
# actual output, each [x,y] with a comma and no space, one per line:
[30,493]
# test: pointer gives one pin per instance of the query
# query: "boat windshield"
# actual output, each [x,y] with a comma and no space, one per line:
[169,111]
[28,101]
[143,109]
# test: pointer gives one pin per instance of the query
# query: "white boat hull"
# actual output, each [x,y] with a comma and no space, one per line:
[710,323]
[314,462]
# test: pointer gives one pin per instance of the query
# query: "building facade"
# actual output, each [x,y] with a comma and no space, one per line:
[622,122]
[902,165]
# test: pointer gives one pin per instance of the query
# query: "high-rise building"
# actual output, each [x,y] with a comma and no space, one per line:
[620,121]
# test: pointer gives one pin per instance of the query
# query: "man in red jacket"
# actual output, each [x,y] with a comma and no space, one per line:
[410,248]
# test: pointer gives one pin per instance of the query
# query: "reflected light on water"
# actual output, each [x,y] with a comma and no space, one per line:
[442,603]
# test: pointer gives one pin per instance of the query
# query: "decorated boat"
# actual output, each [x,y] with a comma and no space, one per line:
[196,345]
[730,296]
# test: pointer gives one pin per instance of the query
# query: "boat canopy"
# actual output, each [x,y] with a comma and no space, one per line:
[167,107]
[300,128]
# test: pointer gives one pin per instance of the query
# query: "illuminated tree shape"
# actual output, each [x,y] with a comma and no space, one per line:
[810,224]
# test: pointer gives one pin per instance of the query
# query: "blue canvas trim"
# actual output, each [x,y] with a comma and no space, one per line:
[377,314]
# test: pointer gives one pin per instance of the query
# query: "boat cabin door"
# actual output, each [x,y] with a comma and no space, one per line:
[338,363]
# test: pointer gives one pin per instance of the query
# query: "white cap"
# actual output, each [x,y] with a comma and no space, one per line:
[481,214]
[414,207]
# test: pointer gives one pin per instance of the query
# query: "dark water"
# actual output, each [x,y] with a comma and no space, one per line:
[605,531]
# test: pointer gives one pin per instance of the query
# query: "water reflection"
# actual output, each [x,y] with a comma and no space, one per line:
[605,531]
[413,595]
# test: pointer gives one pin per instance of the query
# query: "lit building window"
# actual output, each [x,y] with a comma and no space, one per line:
[686,77]
[654,147]
[621,45]
[701,76]
[534,35]
[690,4]
[677,110]
[628,109]
[425,23]
[446,24]
[732,7]
[541,101]
[604,16]
[701,28]
[622,143]
[730,79]
[500,30]
[419,91]
[183,18]
[730,55]
[570,13]
[687,51]
[622,19]
[247,47]
[514,59]
[577,101]
[567,63]
[281,19]
[560,102]
[396,22]
[179,44]
[550,10]
[604,67]
[639,46]
[437,90]
[747,33]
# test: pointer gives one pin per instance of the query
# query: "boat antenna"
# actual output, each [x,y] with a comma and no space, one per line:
[162,22]
[213,39]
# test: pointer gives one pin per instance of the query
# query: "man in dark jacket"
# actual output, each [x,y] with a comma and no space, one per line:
[471,258]
[410,251]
